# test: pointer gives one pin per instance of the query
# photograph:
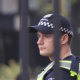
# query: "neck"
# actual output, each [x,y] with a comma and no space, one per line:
[65,51]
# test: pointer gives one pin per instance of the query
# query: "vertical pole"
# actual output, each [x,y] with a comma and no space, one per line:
[24,38]
[57,71]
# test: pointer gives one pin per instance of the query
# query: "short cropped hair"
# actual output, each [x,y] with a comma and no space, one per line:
[69,39]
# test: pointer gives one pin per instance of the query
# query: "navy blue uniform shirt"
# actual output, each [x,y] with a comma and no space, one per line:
[65,73]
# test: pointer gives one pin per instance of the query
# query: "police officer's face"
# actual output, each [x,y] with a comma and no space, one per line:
[45,44]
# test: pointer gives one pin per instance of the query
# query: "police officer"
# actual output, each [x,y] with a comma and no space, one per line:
[69,64]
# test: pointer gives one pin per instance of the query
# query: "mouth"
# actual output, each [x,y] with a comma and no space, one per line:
[41,48]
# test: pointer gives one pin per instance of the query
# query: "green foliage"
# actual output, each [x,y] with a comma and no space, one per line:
[9,72]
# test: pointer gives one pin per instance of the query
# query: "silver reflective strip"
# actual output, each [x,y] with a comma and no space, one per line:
[65,65]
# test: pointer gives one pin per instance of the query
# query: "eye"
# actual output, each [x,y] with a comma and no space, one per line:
[46,35]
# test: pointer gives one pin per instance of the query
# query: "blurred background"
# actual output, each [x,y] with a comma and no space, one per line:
[10,28]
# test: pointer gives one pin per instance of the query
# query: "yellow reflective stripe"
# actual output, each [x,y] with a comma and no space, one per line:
[40,78]
[78,76]
[79,68]
[46,69]
[65,61]
[73,73]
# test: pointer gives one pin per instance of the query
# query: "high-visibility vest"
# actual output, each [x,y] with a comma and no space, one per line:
[63,64]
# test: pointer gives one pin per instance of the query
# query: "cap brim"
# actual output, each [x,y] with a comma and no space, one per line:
[42,29]
[32,29]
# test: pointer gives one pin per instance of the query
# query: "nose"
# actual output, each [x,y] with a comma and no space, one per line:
[40,41]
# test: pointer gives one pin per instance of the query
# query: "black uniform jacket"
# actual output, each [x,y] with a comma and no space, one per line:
[65,73]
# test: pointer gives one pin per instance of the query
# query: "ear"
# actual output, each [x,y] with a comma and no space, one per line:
[64,39]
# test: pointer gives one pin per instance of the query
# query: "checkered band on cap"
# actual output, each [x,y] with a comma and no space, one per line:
[66,30]
[50,25]
[47,24]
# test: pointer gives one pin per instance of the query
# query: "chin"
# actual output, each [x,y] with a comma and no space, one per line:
[44,54]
